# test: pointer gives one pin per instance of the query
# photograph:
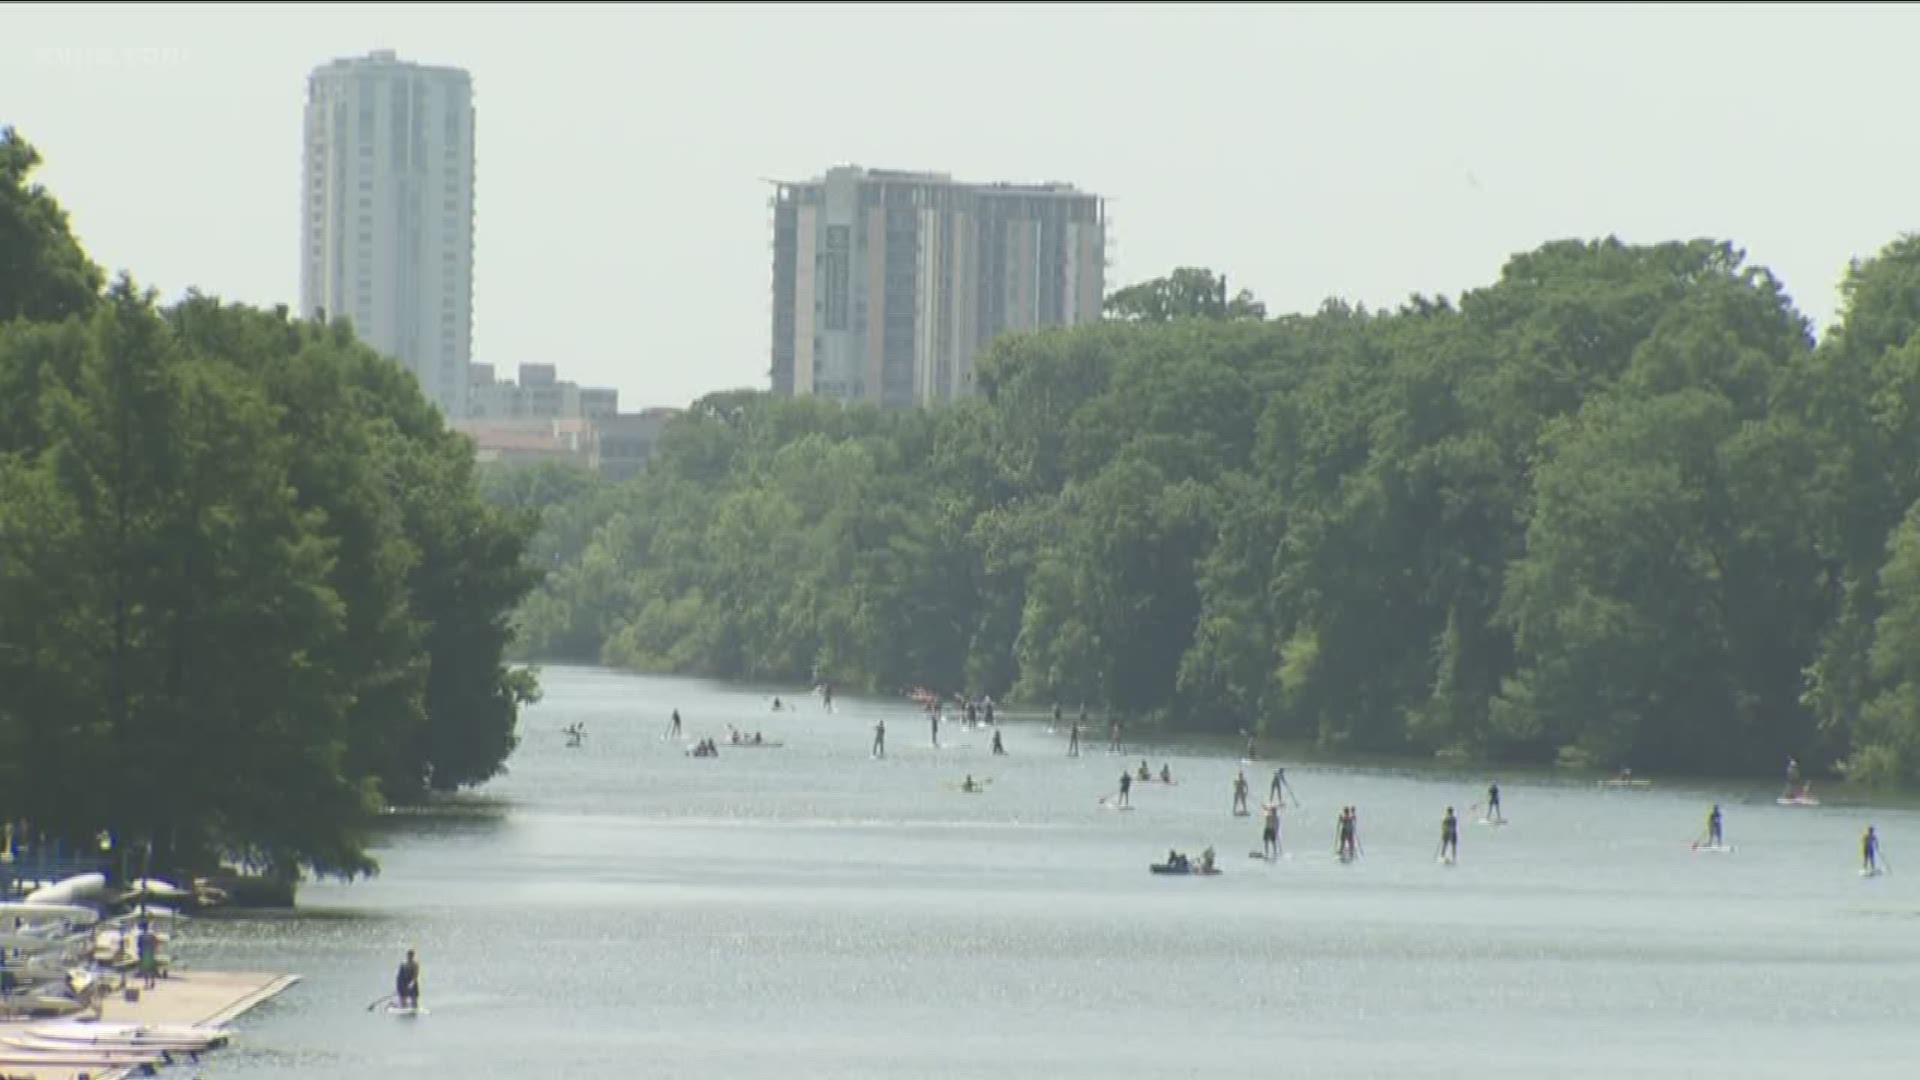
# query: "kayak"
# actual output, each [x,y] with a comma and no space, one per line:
[767,745]
[1625,783]
[1193,871]
[1797,800]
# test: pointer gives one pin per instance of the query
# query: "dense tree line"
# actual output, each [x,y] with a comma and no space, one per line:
[250,591]
[1618,508]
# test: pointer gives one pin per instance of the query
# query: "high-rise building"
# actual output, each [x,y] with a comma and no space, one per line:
[887,285]
[386,221]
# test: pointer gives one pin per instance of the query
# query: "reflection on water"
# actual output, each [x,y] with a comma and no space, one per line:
[621,909]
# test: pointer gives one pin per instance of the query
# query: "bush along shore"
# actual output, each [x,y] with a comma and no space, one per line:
[1619,508]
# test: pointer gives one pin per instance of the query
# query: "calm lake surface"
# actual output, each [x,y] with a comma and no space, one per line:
[808,911]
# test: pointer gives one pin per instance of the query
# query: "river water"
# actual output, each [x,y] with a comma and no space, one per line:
[808,911]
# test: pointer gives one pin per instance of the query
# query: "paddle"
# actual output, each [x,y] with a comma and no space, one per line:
[381,1001]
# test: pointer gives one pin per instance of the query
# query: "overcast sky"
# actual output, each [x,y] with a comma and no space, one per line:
[622,227]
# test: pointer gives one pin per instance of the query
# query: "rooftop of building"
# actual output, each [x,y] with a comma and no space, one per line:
[387,58]
[936,179]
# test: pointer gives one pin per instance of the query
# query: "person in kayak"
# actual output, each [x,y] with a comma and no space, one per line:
[1146,774]
[1206,860]
[1493,802]
[1870,852]
[1166,773]
[1270,831]
[1449,836]
[968,784]
[1126,785]
[406,983]
[880,738]
[1240,792]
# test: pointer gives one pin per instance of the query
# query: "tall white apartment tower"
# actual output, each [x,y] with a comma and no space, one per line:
[386,223]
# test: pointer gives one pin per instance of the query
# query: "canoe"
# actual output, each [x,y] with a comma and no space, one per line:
[1192,871]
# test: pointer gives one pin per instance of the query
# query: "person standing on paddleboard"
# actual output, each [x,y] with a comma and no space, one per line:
[1270,831]
[1240,792]
[1493,802]
[1713,827]
[1073,740]
[406,984]
[1793,778]
[1870,852]
[1449,836]
[1126,786]
[674,732]
[880,738]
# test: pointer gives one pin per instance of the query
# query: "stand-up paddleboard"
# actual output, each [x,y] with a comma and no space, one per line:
[1874,872]
[1716,849]
[406,1011]
[69,890]
[1105,805]
[1243,813]
[1495,822]
[38,914]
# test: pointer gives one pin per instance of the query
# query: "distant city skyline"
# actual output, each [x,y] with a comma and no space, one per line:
[1306,152]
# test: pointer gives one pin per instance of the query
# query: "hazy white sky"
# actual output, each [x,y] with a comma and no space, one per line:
[1307,152]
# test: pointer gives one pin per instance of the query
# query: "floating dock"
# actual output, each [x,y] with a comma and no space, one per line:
[206,998]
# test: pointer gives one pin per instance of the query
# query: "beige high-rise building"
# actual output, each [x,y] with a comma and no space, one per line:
[887,285]
[386,224]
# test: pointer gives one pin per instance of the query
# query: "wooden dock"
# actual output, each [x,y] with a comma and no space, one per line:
[206,998]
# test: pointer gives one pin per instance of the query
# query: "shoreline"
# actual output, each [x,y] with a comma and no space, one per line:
[1834,792]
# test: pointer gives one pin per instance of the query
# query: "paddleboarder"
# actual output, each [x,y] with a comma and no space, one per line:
[406,983]
[1270,831]
[1493,802]
[1870,852]
[1713,827]
[1449,836]
[880,738]
[1240,792]
[1126,786]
